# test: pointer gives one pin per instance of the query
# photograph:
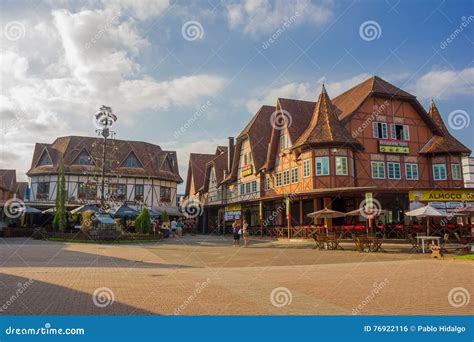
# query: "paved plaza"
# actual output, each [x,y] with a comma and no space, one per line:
[205,275]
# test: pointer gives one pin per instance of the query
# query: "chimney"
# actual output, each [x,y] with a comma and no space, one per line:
[230,153]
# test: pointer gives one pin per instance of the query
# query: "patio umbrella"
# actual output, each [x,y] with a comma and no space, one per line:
[466,210]
[86,207]
[366,213]
[326,214]
[125,211]
[426,211]
[29,210]
[49,211]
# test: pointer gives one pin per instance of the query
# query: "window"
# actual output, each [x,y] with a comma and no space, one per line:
[286,177]
[411,171]
[378,170]
[306,168]
[322,166]
[165,194]
[400,132]
[379,130]
[84,159]
[43,190]
[266,184]
[254,186]
[139,191]
[294,175]
[242,189]
[456,171]
[247,188]
[341,166]
[393,170]
[132,161]
[87,191]
[439,171]
[278,179]
[284,142]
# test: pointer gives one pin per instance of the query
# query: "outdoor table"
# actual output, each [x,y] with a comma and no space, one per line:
[428,238]
[372,243]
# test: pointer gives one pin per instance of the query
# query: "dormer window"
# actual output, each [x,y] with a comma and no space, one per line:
[132,161]
[45,159]
[284,142]
[83,159]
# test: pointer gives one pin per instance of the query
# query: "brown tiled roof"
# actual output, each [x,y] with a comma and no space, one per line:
[443,142]
[325,127]
[156,163]
[196,170]
[348,102]
[219,163]
[258,132]
[8,180]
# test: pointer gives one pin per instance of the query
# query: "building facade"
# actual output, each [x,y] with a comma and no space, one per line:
[135,173]
[373,141]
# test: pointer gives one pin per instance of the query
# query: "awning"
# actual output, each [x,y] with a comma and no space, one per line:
[171,211]
[87,207]
[125,211]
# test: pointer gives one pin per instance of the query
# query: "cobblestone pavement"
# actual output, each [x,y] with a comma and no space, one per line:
[204,275]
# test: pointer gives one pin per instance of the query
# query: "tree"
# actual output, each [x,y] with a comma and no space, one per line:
[60,215]
[165,217]
[143,222]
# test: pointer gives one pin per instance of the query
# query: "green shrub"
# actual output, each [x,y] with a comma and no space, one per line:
[143,222]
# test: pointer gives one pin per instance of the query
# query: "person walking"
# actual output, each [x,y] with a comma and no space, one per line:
[245,233]
[236,232]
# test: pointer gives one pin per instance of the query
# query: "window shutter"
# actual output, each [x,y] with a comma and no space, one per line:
[394,131]
[406,133]
[375,129]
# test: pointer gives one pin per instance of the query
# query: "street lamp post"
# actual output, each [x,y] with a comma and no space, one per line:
[105,118]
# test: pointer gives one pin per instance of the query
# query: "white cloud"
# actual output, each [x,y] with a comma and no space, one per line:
[303,91]
[70,62]
[444,84]
[263,16]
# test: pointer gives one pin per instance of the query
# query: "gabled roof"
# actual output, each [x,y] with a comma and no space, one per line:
[443,142]
[8,180]
[151,156]
[325,127]
[258,132]
[219,163]
[196,170]
[348,102]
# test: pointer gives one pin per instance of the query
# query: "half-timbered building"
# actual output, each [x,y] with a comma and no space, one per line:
[135,173]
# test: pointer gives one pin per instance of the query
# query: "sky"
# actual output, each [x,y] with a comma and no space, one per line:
[188,74]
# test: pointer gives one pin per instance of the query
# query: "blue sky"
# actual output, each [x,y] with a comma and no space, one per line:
[61,60]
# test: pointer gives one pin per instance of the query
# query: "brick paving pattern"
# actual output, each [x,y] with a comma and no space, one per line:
[204,275]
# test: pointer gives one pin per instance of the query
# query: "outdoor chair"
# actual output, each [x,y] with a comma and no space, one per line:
[447,247]
[415,245]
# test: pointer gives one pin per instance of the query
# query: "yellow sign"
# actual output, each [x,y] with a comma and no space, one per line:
[246,170]
[233,207]
[442,195]
[393,146]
